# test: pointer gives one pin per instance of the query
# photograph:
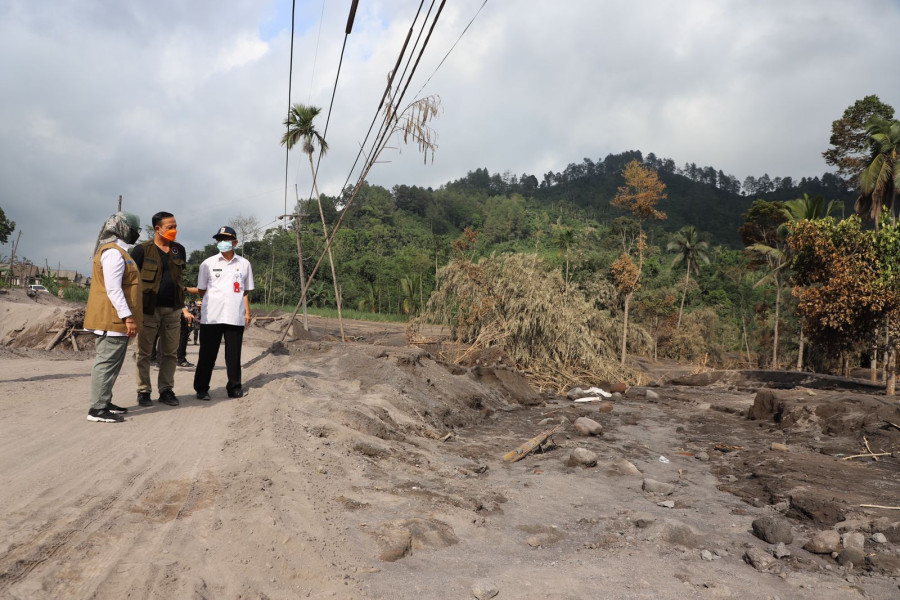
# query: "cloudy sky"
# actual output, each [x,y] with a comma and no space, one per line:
[179,105]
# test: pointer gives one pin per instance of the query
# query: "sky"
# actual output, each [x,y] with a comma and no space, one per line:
[179,106]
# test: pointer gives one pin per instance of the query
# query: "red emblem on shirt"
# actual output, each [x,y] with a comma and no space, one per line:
[237,287]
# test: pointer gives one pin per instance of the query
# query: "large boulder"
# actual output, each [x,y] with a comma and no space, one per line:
[773,530]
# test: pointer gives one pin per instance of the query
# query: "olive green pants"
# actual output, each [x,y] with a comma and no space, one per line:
[107,364]
[165,322]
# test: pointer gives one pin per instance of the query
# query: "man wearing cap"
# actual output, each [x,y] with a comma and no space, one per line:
[161,263]
[113,311]
[223,283]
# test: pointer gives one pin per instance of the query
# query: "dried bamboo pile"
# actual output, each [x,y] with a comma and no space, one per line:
[554,335]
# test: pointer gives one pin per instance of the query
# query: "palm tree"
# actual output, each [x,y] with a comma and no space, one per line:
[692,250]
[805,209]
[300,128]
[880,180]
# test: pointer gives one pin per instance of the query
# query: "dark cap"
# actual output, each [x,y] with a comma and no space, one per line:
[225,232]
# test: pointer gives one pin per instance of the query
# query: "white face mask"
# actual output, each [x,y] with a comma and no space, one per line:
[225,245]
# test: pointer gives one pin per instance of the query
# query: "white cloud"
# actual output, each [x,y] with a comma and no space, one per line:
[179,105]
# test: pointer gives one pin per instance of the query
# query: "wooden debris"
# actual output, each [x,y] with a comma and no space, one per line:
[529,446]
[866,442]
[59,336]
[447,437]
[867,455]
[727,447]
[894,424]
[878,506]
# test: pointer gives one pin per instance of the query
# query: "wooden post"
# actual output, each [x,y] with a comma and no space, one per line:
[120,202]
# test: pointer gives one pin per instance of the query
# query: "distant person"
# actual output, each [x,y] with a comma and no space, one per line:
[113,311]
[224,282]
[195,311]
[187,324]
[161,262]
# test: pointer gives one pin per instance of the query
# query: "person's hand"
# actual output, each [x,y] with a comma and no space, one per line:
[187,316]
[247,318]
[130,326]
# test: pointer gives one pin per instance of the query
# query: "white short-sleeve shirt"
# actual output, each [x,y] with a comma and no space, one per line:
[225,282]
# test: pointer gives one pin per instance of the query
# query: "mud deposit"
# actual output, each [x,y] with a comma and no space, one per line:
[370,470]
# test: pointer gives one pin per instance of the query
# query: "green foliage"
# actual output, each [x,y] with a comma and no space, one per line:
[6,227]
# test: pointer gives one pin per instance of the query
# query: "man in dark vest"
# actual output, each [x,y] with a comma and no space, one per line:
[161,263]
[113,311]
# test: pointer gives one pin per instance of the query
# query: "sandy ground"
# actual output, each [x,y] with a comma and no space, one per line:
[336,478]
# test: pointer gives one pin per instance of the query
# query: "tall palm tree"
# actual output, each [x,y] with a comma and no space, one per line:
[692,250]
[880,180]
[300,128]
[805,209]
[563,239]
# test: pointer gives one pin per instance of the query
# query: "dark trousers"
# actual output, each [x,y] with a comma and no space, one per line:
[210,340]
[181,355]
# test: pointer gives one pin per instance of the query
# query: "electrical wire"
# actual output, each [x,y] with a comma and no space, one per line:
[287,153]
[478,12]
[312,76]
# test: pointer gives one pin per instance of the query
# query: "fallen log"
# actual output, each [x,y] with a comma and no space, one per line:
[529,446]
[879,506]
[867,455]
[59,336]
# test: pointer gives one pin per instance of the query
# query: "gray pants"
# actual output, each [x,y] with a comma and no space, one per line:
[166,322]
[107,364]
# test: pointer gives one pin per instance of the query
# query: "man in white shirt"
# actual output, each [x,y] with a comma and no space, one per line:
[113,312]
[224,282]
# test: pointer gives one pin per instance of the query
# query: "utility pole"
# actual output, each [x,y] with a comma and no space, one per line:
[120,202]
[12,258]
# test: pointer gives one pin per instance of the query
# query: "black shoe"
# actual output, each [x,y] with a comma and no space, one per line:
[101,415]
[203,396]
[144,399]
[184,363]
[116,410]
[168,397]
[236,393]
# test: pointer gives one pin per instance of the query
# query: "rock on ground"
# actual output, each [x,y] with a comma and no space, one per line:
[773,530]
[484,589]
[657,487]
[582,457]
[586,426]
[824,542]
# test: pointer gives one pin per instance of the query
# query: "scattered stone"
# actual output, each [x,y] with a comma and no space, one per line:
[534,541]
[622,467]
[643,520]
[706,555]
[884,564]
[824,542]
[681,534]
[617,397]
[759,560]
[575,393]
[484,589]
[651,395]
[782,506]
[586,426]
[780,550]
[773,530]
[851,556]
[657,487]
[879,538]
[666,504]
[779,447]
[582,457]
[321,470]
[702,456]
[546,421]
[853,539]
[399,538]
[606,407]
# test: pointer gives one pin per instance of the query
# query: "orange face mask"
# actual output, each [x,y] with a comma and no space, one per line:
[170,234]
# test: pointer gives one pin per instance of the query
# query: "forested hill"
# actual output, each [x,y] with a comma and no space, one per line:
[704,197]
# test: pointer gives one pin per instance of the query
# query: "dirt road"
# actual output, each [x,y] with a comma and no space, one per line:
[331,480]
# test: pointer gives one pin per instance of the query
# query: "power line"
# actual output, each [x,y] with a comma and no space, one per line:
[287,153]
[386,91]
[312,76]
[478,12]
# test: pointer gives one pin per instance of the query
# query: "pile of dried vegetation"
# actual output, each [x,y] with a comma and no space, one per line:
[553,334]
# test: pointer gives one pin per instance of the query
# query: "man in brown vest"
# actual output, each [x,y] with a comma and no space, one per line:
[161,263]
[113,311]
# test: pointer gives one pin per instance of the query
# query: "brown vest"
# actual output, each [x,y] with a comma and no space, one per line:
[100,314]
[151,274]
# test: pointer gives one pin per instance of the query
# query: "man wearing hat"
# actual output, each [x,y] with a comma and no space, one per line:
[113,311]
[223,283]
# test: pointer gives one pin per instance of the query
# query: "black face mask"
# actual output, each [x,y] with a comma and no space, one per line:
[133,235]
